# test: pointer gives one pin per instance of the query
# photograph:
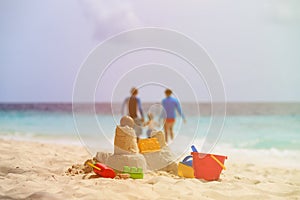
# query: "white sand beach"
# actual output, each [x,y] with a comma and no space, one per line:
[33,170]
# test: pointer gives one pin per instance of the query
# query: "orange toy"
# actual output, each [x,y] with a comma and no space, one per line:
[149,145]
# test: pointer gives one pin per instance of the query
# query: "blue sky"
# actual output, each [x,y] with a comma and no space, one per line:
[255,44]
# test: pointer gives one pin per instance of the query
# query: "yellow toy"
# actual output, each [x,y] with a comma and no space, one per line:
[185,168]
[149,145]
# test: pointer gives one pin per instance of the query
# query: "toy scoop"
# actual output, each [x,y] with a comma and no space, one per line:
[102,170]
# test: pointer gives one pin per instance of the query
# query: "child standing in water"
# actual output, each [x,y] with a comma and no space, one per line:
[151,123]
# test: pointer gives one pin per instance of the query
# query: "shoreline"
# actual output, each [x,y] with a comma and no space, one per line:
[283,158]
[36,170]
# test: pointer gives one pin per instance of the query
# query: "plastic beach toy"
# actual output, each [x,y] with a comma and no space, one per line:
[207,166]
[185,168]
[194,148]
[102,170]
[212,156]
[149,145]
[135,173]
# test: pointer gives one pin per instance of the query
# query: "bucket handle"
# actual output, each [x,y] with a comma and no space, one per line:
[186,158]
[213,157]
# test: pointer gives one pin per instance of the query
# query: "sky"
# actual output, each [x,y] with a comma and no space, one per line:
[254,43]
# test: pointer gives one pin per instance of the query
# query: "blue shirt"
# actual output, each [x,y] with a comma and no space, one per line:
[170,105]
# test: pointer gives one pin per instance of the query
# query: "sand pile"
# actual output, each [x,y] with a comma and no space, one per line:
[125,141]
[126,152]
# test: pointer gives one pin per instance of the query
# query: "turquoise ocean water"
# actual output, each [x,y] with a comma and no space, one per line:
[252,132]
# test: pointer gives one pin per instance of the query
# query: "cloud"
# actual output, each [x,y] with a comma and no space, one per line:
[109,17]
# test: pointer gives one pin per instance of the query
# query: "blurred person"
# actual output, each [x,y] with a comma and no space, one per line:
[152,124]
[133,104]
[170,105]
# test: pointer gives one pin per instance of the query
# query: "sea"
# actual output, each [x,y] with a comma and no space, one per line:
[272,129]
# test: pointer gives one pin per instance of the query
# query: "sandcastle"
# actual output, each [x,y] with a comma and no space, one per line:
[164,159]
[126,151]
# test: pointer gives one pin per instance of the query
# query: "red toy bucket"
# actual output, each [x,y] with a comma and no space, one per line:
[208,166]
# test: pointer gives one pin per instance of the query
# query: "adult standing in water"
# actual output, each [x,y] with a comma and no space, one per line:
[134,105]
[170,104]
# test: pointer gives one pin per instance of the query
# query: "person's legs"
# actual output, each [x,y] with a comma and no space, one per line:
[138,128]
[171,124]
[169,128]
[166,131]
